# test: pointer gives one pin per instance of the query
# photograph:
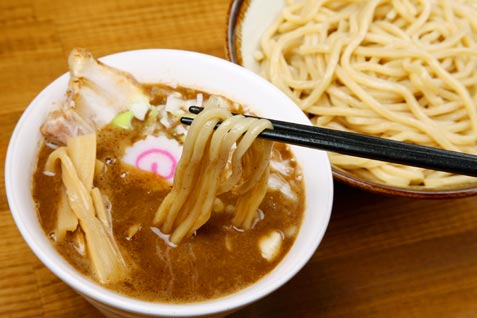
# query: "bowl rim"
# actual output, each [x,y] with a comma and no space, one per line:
[236,13]
[88,288]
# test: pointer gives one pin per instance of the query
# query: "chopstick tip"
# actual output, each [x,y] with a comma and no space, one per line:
[186,120]
[195,109]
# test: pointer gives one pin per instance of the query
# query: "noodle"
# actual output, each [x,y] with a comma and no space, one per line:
[202,173]
[394,69]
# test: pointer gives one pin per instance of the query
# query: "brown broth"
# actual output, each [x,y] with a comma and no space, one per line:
[201,267]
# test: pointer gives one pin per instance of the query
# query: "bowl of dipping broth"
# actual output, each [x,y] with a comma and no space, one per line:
[133,152]
[371,68]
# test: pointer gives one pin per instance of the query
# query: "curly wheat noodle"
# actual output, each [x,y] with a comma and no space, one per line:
[236,164]
[185,173]
[403,70]
[201,173]
[255,159]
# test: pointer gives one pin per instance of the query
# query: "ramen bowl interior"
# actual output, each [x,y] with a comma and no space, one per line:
[247,22]
[204,73]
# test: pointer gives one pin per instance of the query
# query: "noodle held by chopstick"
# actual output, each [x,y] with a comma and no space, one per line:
[201,173]
[395,69]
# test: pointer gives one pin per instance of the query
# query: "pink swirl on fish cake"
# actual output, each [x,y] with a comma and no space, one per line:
[157,158]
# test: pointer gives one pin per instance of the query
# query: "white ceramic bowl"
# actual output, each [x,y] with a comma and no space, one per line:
[247,22]
[197,71]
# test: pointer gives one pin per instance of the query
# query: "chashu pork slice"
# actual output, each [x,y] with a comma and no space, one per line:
[96,94]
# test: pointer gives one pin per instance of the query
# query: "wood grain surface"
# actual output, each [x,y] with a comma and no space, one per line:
[381,256]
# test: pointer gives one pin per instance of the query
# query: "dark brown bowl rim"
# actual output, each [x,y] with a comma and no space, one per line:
[235,14]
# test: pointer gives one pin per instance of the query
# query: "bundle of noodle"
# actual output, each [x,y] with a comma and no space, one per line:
[81,203]
[401,70]
[201,173]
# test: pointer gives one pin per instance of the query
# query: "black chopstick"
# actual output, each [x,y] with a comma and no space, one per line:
[359,145]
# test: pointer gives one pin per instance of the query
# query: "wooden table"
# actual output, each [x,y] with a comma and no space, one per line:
[381,256]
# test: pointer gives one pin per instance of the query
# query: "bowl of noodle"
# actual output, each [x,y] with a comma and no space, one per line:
[175,69]
[400,70]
